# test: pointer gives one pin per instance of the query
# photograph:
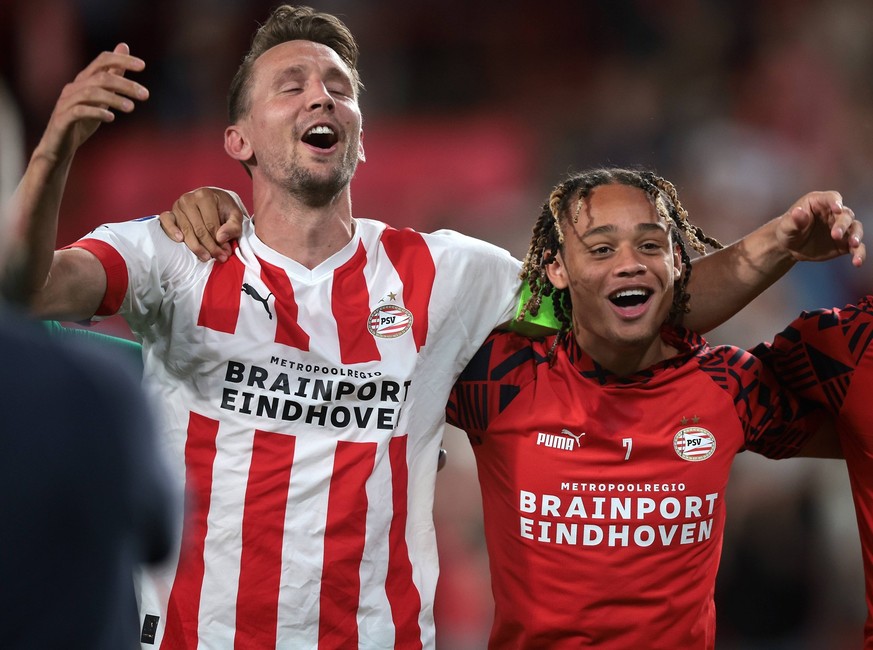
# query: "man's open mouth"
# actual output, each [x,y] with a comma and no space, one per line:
[630,297]
[322,137]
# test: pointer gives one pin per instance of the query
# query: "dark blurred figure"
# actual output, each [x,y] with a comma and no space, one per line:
[84,495]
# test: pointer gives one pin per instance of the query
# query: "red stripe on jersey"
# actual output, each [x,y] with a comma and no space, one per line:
[414,264]
[288,331]
[344,537]
[184,605]
[263,526]
[401,590]
[350,302]
[116,274]
[219,308]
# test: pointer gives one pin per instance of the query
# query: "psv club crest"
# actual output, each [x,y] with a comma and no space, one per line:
[694,444]
[389,321]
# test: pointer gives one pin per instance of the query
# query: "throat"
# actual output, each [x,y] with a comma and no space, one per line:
[308,246]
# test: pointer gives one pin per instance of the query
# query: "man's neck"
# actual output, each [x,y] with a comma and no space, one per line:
[308,235]
[629,359]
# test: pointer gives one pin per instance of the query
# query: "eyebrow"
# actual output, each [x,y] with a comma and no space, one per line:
[607,229]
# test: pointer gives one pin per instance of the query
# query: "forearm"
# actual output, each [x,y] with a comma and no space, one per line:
[724,282]
[33,231]
[94,97]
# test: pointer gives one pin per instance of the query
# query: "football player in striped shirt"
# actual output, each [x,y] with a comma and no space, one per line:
[304,376]
[304,379]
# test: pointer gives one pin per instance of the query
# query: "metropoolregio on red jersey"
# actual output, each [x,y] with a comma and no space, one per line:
[603,495]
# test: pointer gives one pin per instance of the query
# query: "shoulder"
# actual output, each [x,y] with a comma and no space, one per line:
[460,243]
[505,353]
[443,243]
[141,237]
[820,322]
[729,366]
[835,332]
[727,358]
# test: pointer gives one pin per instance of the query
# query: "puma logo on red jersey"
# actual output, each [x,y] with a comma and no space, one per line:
[564,440]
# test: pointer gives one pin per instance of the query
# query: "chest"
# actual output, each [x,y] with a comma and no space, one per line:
[570,431]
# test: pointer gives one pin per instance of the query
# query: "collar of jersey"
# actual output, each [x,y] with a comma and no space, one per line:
[292,267]
[687,343]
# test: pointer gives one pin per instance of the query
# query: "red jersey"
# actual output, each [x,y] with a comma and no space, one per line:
[826,356]
[603,496]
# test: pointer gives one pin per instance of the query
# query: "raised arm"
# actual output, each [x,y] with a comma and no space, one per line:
[67,284]
[817,227]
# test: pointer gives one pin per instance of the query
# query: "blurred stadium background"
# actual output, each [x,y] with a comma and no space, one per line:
[473,111]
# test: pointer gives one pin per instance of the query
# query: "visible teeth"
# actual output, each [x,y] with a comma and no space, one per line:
[625,293]
[320,130]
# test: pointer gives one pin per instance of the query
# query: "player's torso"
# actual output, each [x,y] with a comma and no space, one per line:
[289,392]
[604,508]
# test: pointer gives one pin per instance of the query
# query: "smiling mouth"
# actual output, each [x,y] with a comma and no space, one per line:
[321,137]
[630,297]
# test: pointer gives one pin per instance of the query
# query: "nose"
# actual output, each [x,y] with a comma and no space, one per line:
[319,98]
[629,262]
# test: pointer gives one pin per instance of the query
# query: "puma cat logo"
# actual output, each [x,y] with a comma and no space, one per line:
[250,291]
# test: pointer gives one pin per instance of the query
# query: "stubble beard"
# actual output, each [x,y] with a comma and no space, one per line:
[317,190]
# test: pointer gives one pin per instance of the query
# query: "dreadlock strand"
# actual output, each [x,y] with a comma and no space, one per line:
[539,255]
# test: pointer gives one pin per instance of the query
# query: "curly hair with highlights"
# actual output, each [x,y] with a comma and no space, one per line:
[564,204]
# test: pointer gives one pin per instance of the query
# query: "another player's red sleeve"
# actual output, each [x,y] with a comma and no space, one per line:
[817,355]
[775,422]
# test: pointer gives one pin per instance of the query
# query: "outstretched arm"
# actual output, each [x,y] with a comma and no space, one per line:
[67,284]
[817,227]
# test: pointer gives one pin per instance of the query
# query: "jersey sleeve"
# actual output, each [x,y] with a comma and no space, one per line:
[775,423]
[478,281]
[817,354]
[139,261]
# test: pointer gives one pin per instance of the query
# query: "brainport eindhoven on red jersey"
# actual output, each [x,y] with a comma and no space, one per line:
[594,520]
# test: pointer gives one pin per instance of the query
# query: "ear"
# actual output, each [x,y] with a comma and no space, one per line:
[557,273]
[236,145]
[678,267]
[361,156]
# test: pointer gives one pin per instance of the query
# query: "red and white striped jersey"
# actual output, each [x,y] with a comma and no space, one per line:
[308,406]
[604,496]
